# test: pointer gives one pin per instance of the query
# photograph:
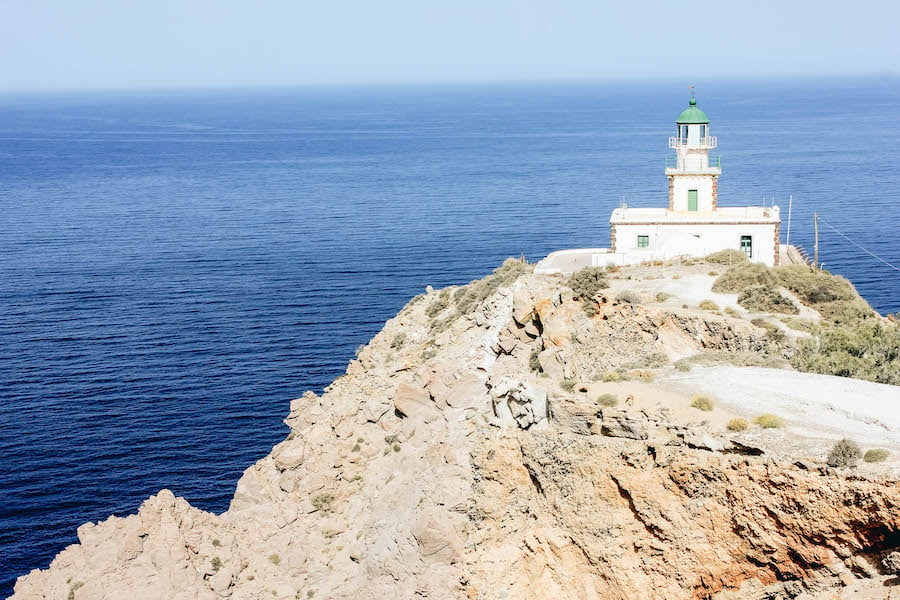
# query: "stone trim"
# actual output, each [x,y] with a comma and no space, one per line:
[612,237]
[671,192]
[715,192]
[777,260]
[775,223]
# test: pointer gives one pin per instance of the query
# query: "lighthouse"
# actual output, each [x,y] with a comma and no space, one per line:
[693,177]
[693,224]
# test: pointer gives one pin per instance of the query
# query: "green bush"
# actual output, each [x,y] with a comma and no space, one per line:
[865,350]
[743,276]
[761,298]
[769,421]
[773,332]
[568,384]
[708,305]
[587,282]
[876,455]
[737,424]
[322,502]
[589,307]
[398,340]
[662,296]
[701,402]
[654,360]
[534,361]
[728,257]
[845,453]
[628,297]
[607,400]
[611,376]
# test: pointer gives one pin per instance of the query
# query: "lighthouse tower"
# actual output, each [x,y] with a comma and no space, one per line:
[693,178]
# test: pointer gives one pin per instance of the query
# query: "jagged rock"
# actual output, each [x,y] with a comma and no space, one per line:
[617,423]
[517,402]
[415,402]
[396,483]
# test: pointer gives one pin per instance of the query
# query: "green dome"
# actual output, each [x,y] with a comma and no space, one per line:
[692,115]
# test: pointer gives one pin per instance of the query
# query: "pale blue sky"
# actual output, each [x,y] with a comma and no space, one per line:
[123,44]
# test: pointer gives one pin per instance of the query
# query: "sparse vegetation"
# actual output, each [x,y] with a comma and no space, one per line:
[728,257]
[876,455]
[322,502]
[708,305]
[587,282]
[773,332]
[568,384]
[662,296]
[737,424]
[274,559]
[866,350]
[589,307]
[732,313]
[713,273]
[611,376]
[216,563]
[743,276]
[398,340]
[761,298]
[628,297]
[607,400]
[800,324]
[356,448]
[739,359]
[769,421]
[396,447]
[534,361]
[701,402]
[845,453]
[654,360]
[468,297]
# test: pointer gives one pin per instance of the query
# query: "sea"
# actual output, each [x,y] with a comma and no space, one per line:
[176,266]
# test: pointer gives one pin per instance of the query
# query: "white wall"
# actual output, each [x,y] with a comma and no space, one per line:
[703,185]
[675,239]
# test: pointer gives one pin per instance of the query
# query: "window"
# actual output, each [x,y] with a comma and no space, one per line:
[643,241]
[703,132]
[747,245]
[684,134]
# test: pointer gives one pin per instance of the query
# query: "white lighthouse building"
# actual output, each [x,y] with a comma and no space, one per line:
[693,224]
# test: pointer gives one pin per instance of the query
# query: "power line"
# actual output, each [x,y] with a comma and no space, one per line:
[870,253]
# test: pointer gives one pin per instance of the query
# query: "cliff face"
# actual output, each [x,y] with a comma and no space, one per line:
[473,450]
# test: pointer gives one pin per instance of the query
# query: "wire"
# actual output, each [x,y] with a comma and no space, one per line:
[872,254]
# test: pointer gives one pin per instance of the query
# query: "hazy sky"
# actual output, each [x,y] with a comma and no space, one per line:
[77,44]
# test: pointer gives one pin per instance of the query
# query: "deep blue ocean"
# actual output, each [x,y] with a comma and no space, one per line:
[176,267]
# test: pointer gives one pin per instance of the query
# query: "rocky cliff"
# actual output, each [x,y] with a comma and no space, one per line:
[516,438]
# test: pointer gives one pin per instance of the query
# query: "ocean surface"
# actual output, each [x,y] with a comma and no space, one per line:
[176,267]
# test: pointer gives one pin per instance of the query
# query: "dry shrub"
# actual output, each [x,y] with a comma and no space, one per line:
[587,282]
[769,421]
[743,276]
[701,402]
[845,453]
[708,305]
[737,424]
[761,298]
[876,455]
[607,400]
[628,297]
[727,257]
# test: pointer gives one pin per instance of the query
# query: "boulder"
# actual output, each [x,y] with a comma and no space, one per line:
[415,402]
[517,402]
[621,424]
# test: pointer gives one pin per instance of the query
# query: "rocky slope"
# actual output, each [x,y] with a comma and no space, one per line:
[473,450]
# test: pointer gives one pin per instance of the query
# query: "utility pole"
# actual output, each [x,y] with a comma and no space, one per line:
[816,247]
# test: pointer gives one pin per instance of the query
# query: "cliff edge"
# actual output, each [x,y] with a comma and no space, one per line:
[633,433]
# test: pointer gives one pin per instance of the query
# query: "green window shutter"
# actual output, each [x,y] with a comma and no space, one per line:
[692,200]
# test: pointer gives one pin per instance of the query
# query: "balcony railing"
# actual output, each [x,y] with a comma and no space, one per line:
[714,162]
[704,142]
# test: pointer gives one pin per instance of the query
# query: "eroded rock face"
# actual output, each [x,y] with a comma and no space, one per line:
[451,462]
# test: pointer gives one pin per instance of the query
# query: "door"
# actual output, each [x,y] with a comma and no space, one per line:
[747,245]
[692,200]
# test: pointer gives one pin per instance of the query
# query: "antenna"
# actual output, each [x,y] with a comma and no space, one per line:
[691,88]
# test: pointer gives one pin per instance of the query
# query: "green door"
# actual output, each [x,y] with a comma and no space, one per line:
[692,200]
[747,245]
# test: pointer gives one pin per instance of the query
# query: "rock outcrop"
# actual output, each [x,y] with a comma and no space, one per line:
[468,453]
